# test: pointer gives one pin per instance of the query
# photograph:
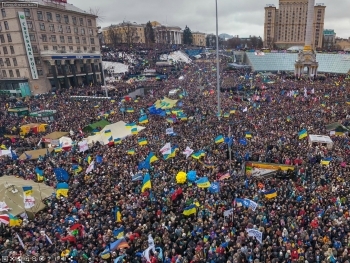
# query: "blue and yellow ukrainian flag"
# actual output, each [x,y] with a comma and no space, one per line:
[134,131]
[142,141]
[326,161]
[143,119]
[190,210]
[62,189]
[326,95]
[14,221]
[118,233]
[117,215]
[219,139]
[110,139]
[302,134]
[130,110]
[183,118]
[130,125]
[248,135]
[117,141]
[131,152]
[233,111]
[198,155]
[170,120]
[108,132]
[146,183]
[270,194]
[27,190]
[203,182]
[323,104]
[151,158]
[39,174]
[227,115]
[105,254]
[77,168]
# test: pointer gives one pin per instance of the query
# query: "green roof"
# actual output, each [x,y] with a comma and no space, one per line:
[93,126]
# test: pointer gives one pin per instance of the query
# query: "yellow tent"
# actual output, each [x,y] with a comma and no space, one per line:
[165,103]
[35,127]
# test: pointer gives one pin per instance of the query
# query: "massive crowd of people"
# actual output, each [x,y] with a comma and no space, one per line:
[308,220]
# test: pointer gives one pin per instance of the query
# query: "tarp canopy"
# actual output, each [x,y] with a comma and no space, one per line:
[34,155]
[34,127]
[54,136]
[118,130]
[15,200]
[165,103]
[93,126]
[336,126]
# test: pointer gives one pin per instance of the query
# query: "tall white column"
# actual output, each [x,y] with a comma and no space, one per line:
[309,25]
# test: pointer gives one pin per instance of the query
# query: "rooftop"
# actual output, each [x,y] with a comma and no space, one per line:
[55,4]
[328,63]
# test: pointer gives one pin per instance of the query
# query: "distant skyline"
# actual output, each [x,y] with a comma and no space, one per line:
[241,18]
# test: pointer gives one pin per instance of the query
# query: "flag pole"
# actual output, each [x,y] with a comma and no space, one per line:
[229,149]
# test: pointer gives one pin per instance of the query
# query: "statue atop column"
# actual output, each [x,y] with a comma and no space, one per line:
[307,57]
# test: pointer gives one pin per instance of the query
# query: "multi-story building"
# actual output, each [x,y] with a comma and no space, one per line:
[47,46]
[124,33]
[167,34]
[199,39]
[329,38]
[286,26]
[342,44]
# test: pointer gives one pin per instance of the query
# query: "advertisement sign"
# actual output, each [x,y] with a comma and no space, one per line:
[28,45]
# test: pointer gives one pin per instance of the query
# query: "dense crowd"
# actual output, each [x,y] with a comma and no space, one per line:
[308,220]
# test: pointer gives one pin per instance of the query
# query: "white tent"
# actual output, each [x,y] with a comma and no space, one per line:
[322,140]
[118,130]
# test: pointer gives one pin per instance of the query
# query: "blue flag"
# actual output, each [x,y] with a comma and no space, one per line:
[214,188]
[61,174]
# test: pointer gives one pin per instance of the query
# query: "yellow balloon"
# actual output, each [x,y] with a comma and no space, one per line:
[181,177]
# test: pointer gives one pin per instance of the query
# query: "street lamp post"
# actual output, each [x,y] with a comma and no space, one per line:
[217,60]
[104,79]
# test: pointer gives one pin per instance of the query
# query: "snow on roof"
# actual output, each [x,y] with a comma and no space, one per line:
[63,6]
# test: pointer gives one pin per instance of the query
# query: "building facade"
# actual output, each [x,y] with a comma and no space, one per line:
[329,38]
[286,26]
[199,39]
[167,34]
[44,48]
[342,44]
[124,33]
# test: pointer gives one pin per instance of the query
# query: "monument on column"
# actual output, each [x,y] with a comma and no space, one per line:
[307,57]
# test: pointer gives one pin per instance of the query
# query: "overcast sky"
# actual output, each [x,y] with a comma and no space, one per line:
[243,17]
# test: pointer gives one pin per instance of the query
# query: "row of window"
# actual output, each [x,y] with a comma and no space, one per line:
[8,62]
[59,28]
[59,18]
[18,73]
[53,38]
[8,36]
[6,50]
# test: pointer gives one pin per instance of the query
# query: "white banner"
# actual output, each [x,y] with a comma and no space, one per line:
[255,233]
[3,207]
[188,151]
[29,202]
[166,149]
[91,167]
[83,146]
[169,131]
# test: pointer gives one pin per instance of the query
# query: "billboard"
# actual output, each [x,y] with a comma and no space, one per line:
[28,45]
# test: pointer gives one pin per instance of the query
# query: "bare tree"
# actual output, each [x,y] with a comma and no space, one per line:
[114,37]
[96,12]
[130,33]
